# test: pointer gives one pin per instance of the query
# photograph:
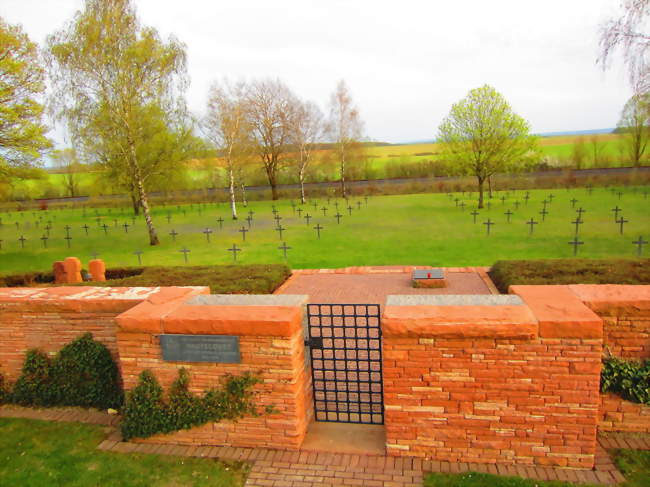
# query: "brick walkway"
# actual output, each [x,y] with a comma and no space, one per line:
[372,284]
[280,468]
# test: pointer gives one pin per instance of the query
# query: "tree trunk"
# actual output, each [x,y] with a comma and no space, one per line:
[301,176]
[343,192]
[270,173]
[231,191]
[135,203]
[489,179]
[243,195]
[144,203]
[480,192]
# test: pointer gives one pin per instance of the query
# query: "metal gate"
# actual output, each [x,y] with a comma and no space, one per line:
[345,350]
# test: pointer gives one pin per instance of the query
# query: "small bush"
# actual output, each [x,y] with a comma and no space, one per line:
[3,390]
[83,373]
[505,273]
[146,413]
[629,379]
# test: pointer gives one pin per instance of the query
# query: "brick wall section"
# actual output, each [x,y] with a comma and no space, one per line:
[271,343]
[617,414]
[625,310]
[49,318]
[494,384]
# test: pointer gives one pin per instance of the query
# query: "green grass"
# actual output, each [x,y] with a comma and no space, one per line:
[635,465]
[420,229]
[43,454]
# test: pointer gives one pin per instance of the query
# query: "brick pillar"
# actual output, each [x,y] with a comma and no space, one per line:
[97,270]
[58,269]
[72,270]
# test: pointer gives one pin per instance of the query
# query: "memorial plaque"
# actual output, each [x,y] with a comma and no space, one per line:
[200,348]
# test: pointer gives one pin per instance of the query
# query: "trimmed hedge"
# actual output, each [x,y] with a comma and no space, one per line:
[83,373]
[147,412]
[630,379]
[222,279]
[505,273]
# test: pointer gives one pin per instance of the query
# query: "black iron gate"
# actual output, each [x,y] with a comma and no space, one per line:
[345,350]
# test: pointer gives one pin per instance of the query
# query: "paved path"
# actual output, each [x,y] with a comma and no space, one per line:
[371,285]
[280,468]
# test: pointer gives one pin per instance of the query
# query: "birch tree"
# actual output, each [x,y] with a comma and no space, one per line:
[107,71]
[635,126]
[307,129]
[227,125]
[484,136]
[345,127]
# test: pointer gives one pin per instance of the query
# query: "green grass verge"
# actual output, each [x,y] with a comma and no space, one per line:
[635,465]
[42,454]
[506,273]
[474,479]
[416,229]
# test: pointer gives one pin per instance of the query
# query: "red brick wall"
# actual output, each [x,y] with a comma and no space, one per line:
[617,414]
[271,343]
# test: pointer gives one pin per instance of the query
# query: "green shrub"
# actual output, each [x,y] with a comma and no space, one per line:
[3,390]
[147,413]
[629,379]
[83,373]
[505,273]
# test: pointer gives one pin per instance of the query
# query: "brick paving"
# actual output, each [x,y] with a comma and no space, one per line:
[372,284]
[281,468]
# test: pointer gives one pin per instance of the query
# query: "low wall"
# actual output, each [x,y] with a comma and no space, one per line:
[493,379]
[271,343]
[49,318]
[617,414]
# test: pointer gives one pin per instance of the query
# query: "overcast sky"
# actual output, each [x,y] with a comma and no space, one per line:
[405,61]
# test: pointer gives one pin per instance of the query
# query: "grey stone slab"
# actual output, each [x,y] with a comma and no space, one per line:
[249,300]
[428,274]
[455,300]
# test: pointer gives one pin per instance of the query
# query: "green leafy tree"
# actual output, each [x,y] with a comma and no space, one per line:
[68,165]
[483,136]
[635,126]
[22,133]
[109,73]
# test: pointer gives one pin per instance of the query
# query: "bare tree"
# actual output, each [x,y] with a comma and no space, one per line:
[227,126]
[597,148]
[68,164]
[270,107]
[579,153]
[635,125]
[345,127]
[307,128]
[626,33]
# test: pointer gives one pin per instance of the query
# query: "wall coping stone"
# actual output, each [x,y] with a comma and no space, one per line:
[249,300]
[614,299]
[454,300]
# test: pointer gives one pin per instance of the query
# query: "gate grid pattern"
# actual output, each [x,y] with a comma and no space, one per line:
[345,351]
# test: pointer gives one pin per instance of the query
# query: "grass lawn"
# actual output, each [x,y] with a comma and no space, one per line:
[418,229]
[42,454]
[634,464]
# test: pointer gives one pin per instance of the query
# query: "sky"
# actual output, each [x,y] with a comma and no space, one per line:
[406,62]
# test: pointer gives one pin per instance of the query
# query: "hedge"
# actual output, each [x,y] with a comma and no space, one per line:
[630,379]
[505,273]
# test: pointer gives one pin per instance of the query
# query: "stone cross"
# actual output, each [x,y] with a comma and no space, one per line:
[207,233]
[338,217]
[169,217]
[350,210]
[503,200]
[22,241]
[575,242]
[358,205]
[621,221]
[573,202]
[68,238]
[234,249]
[543,213]
[67,230]
[86,227]
[105,227]
[318,228]
[299,211]
[280,229]
[580,211]
[616,211]
[307,218]
[173,233]
[531,224]
[243,231]
[474,214]
[488,224]
[526,197]
[639,245]
[185,251]
[324,210]
[284,249]
[220,222]
[577,222]
[550,197]
[126,227]
[44,239]
[139,254]
[508,214]
[249,219]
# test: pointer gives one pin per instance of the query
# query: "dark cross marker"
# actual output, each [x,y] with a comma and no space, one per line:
[249,219]
[234,249]
[94,254]
[489,205]
[243,231]
[589,190]
[462,205]
[173,233]
[126,227]
[621,221]
[338,217]
[358,205]
[44,240]
[315,205]
[543,213]
[307,218]
[67,230]
[299,211]
[275,212]
[133,220]
[550,197]
[280,229]
[488,224]
[474,214]
[17,225]
[526,197]
[531,224]
[366,198]
[169,217]
[573,202]
[508,214]
[277,219]
[1,243]
[22,242]
[577,222]
[619,195]
[86,227]
[516,203]
[580,211]
[284,249]
[639,245]
[545,202]
[349,210]
[105,227]
[456,201]
[575,242]
[68,238]
[251,213]
[336,205]
[207,233]
[616,211]
[318,228]
[220,222]
[185,252]
[324,210]
[503,200]
[139,254]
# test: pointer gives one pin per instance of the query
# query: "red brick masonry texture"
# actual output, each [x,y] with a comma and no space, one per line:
[499,383]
